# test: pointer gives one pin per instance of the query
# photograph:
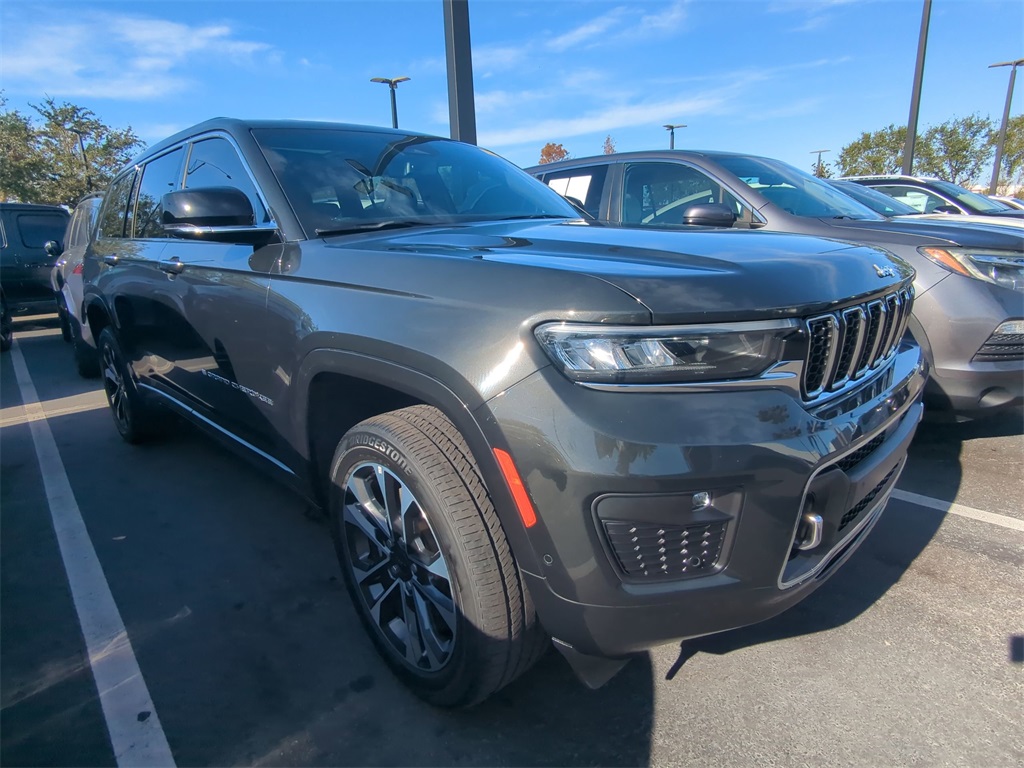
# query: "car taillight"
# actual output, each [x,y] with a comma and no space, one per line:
[78,268]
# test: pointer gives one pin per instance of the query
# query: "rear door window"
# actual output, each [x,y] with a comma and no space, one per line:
[115,211]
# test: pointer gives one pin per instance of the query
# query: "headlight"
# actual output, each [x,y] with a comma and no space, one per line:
[1005,268]
[681,353]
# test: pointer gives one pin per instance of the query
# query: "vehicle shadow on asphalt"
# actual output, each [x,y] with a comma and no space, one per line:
[900,536]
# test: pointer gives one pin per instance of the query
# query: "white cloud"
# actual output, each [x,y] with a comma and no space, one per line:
[615,26]
[587,31]
[107,55]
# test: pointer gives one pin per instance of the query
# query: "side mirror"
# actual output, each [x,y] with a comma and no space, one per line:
[53,248]
[576,203]
[709,215]
[223,214]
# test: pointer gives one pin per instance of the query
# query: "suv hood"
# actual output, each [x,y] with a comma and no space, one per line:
[681,277]
[977,236]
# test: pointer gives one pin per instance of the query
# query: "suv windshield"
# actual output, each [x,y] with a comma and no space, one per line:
[879,202]
[974,201]
[793,190]
[346,181]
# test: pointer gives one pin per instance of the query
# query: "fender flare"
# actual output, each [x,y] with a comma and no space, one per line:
[432,392]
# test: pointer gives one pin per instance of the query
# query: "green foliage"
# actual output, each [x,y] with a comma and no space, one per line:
[822,170]
[956,150]
[552,153]
[72,152]
[1012,171]
[874,153]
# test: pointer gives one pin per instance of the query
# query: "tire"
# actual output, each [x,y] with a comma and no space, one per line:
[87,361]
[135,420]
[65,318]
[429,570]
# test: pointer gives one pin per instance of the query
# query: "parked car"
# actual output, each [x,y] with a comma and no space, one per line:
[929,195]
[1013,202]
[968,313]
[24,264]
[6,331]
[66,282]
[525,426]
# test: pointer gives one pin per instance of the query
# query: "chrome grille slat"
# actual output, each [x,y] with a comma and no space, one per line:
[848,344]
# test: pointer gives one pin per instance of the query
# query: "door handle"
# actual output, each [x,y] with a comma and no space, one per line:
[172,266]
[111,259]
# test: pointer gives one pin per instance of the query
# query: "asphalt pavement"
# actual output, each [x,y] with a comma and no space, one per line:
[249,652]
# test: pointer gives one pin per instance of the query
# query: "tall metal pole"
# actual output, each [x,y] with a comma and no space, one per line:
[915,97]
[85,160]
[819,153]
[672,134]
[1006,118]
[394,106]
[459,53]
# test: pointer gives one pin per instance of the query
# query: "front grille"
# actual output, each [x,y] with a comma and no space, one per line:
[653,551]
[1001,347]
[863,504]
[846,345]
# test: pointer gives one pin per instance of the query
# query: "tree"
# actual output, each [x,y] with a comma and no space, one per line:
[609,145]
[21,166]
[1012,160]
[72,153]
[81,153]
[552,153]
[822,170]
[956,150]
[874,153]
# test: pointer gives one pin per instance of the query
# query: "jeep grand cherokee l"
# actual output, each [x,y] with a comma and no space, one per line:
[524,426]
[969,309]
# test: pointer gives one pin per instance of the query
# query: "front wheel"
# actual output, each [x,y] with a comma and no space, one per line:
[135,420]
[426,560]
[64,316]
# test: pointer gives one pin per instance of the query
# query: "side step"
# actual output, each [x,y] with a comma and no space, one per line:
[592,671]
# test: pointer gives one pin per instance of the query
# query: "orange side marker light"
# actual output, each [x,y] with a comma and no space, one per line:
[515,484]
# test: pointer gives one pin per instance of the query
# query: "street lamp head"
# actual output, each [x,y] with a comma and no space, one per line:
[669,127]
[391,82]
[1016,63]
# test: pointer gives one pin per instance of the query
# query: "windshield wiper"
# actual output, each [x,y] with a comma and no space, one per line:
[535,216]
[371,226]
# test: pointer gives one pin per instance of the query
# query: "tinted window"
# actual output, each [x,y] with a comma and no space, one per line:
[583,184]
[82,222]
[793,190]
[921,200]
[159,176]
[353,179]
[873,199]
[661,193]
[972,200]
[215,163]
[115,210]
[36,228]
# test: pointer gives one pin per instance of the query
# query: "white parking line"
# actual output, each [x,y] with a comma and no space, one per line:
[135,732]
[992,518]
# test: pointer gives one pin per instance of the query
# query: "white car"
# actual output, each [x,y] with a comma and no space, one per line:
[66,281]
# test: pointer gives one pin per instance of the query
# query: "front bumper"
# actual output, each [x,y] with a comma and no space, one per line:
[953,320]
[616,476]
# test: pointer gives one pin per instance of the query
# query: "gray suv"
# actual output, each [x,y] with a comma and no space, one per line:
[969,311]
[524,426]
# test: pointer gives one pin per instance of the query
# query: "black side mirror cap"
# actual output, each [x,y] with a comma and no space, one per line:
[709,215]
[207,207]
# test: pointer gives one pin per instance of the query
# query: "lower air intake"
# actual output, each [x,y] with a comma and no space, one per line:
[653,551]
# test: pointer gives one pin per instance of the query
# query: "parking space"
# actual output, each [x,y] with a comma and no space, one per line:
[231,597]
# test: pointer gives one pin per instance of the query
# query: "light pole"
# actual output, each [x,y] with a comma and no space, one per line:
[915,95]
[1006,116]
[819,153]
[392,83]
[85,160]
[672,134]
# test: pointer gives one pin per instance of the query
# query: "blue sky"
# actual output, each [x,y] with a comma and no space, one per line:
[774,77]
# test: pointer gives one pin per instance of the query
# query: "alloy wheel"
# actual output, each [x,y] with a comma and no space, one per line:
[398,568]
[113,383]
